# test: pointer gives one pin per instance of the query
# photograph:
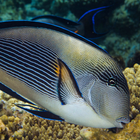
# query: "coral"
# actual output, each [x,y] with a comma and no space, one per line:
[12,10]
[132,5]
[122,18]
[13,123]
[35,128]
[63,7]
[124,38]
[7,106]
[24,126]
[8,125]
[17,10]
[38,128]
[3,130]
[133,79]
[130,132]
[126,17]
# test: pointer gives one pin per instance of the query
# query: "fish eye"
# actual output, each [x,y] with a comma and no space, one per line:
[112,81]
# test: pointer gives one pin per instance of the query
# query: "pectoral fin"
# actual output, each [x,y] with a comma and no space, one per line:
[68,89]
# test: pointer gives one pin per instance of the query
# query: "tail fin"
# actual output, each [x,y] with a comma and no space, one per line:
[88,20]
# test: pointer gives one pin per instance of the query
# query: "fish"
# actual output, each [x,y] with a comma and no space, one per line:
[67,75]
[85,26]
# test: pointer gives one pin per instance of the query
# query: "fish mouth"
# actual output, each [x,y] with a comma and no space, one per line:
[119,125]
[122,121]
[123,124]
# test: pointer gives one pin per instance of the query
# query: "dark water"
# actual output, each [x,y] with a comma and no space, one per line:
[121,20]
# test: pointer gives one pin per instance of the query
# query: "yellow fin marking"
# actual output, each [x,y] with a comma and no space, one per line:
[57,70]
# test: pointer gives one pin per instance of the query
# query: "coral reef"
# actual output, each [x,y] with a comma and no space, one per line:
[8,125]
[125,17]
[16,124]
[133,79]
[38,128]
[124,27]
[11,10]
[62,7]
[122,40]
[129,132]
[18,10]
[34,128]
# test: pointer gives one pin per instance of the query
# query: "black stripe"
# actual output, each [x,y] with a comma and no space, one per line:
[29,65]
[27,62]
[31,81]
[22,49]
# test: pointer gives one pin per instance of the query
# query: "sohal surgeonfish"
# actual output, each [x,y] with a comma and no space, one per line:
[63,72]
[85,26]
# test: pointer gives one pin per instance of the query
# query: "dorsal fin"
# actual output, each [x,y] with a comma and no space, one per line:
[34,24]
[55,18]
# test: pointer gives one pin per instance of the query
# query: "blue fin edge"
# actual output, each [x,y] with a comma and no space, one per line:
[9,91]
[40,112]
[72,78]
[96,9]
[22,23]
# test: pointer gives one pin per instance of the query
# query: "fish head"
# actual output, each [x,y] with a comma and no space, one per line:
[108,95]
[110,101]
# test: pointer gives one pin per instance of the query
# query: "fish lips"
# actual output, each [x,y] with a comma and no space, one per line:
[122,121]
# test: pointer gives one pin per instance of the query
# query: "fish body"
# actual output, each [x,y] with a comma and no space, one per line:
[85,86]
[85,26]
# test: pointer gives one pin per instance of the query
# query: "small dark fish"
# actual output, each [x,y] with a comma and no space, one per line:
[63,72]
[85,26]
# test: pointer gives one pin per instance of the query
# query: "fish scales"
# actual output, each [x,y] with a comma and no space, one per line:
[36,56]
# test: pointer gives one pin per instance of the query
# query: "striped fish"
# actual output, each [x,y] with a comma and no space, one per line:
[70,76]
[85,26]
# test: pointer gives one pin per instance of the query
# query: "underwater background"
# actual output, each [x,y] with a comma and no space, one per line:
[122,22]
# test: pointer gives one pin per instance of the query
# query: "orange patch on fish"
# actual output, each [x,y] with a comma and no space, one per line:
[57,70]
[76,31]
